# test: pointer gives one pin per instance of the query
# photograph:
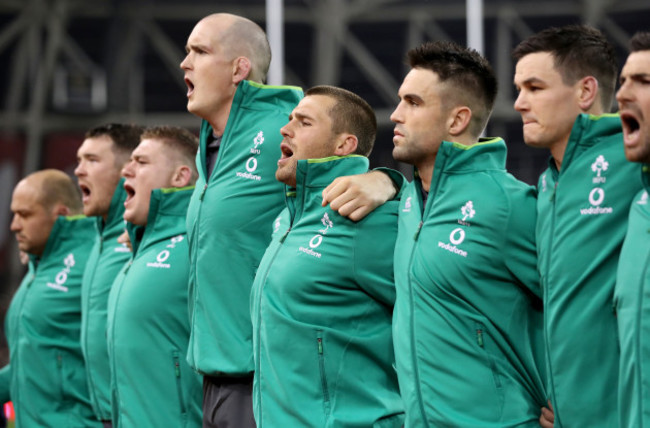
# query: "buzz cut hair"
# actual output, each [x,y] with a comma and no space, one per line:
[125,138]
[640,42]
[352,114]
[185,143]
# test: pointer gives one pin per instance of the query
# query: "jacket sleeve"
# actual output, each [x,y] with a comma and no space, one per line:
[521,257]
[398,178]
[374,246]
[5,383]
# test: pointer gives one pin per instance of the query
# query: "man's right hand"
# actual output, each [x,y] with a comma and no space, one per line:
[547,418]
[356,196]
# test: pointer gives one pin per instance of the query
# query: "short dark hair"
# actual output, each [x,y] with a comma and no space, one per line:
[350,113]
[179,139]
[470,74]
[578,51]
[640,42]
[125,137]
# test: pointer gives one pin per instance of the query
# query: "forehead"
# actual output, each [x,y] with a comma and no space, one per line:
[538,65]
[25,195]
[315,107]
[208,31]
[637,63]
[150,148]
[100,145]
[420,82]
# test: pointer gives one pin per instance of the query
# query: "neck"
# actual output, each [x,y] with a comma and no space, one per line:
[426,174]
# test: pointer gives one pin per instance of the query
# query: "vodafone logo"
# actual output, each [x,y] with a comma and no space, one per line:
[457,236]
[251,165]
[596,196]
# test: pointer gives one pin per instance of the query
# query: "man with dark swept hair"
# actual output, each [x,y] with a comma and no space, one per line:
[338,368]
[565,80]
[633,277]
[577,51]
[463,69]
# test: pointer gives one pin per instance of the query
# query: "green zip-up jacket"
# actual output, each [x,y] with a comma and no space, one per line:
[46,377]
[322,307]
[467,327]
[227,226]
[148,323]
[581,221]
[632,295]
[106,260]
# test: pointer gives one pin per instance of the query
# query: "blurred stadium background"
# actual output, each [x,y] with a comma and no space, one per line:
[69,65]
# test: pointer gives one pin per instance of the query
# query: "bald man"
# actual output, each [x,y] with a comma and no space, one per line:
[45,378]
[235,200]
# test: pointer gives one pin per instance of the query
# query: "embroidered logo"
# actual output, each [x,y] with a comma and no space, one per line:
[61,277]
[544,183]
[162,256]
[456,237]
[644,199]
[317,239]
[599,166]
[407,205]
[467,211]
[251,162]
[277,223]
[596,198]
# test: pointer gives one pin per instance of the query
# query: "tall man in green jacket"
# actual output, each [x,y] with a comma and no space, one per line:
[45,377]
[100,159]
[326,282]
[148,322]
[566,78]
[467,327]
[236,197]
[633,279]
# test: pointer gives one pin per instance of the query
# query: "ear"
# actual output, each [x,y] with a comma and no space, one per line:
[60,209]
[345,145]
[182,176]
[241,68]
[587,88]
[458,120]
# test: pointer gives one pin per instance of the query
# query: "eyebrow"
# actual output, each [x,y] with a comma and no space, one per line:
[413,97]
[635,76]
[299,115]
[531,80]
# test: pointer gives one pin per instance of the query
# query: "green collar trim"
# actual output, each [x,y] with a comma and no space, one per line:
[263,86]
[332,158]
[479,143]
[175,189]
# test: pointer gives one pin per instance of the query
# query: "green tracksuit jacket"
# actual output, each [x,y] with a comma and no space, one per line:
[581,221]
[106,260]
[227,227]
[467,328]
[148,323]
[632,296]
[321,308]
[46,377]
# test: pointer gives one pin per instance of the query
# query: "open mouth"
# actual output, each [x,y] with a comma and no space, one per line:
[85,192]
[130,193]
[286,151]
[631,126]
[190,86]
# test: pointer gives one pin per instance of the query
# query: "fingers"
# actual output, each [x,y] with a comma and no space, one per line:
[335,190]
[547,418]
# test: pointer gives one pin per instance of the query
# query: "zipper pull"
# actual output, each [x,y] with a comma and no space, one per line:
[203,191]
[417,232]
[320,346]
[552,197]
[285,235]
[177,369]
[479,337]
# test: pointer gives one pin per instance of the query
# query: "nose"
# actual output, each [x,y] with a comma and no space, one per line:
[79,170]
[127,170]
[396,115]
[286,130]
[520,102]
[623,94]
[185,64]
[15,224]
